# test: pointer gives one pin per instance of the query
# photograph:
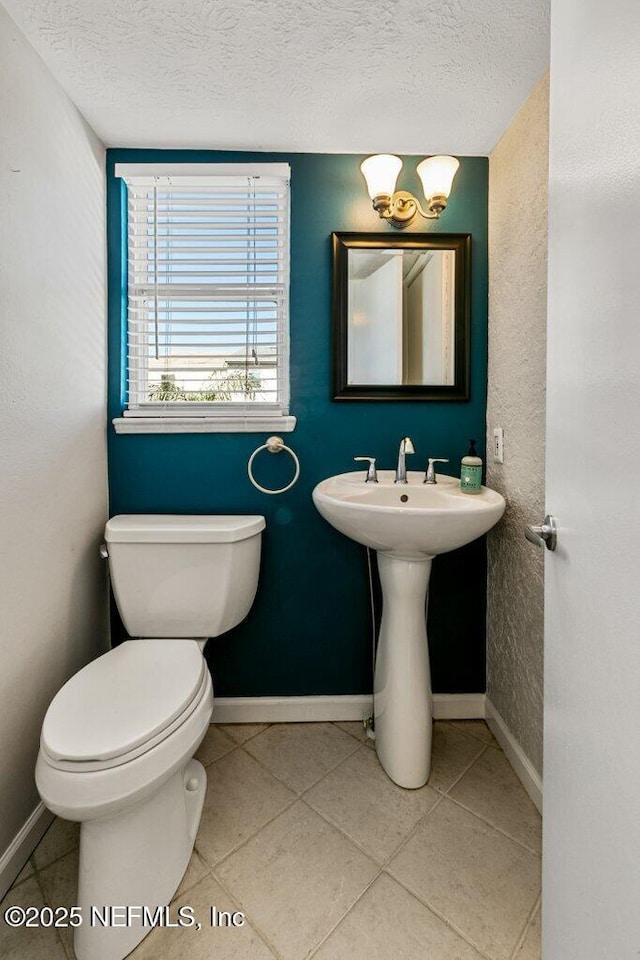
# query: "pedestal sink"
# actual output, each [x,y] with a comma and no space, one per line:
[408,524]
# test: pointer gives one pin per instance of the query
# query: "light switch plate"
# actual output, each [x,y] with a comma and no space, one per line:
[498,445]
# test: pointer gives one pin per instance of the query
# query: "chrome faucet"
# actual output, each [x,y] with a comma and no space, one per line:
[406,446]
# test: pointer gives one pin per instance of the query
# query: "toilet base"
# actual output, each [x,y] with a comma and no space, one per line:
[136,859]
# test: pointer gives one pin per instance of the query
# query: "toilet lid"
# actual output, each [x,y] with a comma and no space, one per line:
[122,699]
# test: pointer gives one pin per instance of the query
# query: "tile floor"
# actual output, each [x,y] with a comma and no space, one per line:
[327,858]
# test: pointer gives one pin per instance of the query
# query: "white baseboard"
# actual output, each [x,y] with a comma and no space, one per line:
[22,846]
[528,775]
[458,706]
[446,706]
[290,709]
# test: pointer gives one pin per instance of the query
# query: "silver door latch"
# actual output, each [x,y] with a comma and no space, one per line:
[545,535]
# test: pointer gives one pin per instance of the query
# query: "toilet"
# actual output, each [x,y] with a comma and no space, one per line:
[118,740]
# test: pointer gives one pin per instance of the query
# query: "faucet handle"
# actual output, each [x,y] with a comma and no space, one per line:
[430,475]
[372,473]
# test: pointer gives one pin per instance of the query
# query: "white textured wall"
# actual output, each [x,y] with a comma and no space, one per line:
[518,175]
[53,488]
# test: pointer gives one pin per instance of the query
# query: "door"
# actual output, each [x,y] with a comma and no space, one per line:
[591,883]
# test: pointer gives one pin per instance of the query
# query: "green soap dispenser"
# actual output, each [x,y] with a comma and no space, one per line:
[471,471]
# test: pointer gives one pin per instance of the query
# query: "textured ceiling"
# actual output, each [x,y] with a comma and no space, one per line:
[327,76]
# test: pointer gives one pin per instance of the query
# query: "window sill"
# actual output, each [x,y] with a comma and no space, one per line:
[204,424]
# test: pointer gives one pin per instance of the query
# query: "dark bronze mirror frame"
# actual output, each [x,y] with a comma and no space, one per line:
[461,244]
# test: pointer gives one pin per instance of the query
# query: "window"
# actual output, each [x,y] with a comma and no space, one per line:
[208,296]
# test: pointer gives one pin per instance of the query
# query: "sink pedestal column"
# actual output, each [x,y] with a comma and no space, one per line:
[402,683]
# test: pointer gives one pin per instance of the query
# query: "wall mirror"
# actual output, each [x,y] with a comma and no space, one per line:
[401,316]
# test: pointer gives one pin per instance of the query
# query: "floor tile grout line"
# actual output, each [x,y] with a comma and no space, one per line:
[474,736]
[323,816]
[236,899]
[422,820]
[359,743]
[57,860]
[385,867]
[382,863]
[494,826]
[214,866]
[45,866]
[449,923]
[46,899]
[240,747]
[299,798]
[381,868]
[441,795]
[179,896]
[344,916]
[70,953]
[218,729]
[345,836]
[240,743]
[526,926]
[361,740]
[261,763]
[225,753]
[414,830]
[18,883]
[315,783]
[466,769]
[38,871]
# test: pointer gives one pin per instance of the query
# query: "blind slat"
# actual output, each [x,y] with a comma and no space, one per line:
[175,223]
[229,350]
[184,293]
[143,251]
[162,316]
[203,375]
[165,202]
[168,239]
[180,256]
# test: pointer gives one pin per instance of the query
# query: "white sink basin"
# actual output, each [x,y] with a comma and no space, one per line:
[414,520]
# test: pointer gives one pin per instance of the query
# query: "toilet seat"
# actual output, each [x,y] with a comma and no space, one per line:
[123,704]
[87,766]
[89,790]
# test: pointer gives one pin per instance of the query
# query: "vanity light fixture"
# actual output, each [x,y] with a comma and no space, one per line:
[399,207]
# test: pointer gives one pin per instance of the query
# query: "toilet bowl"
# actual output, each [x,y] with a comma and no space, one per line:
[118,739]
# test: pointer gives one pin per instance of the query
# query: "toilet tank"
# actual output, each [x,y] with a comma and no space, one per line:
[183,576]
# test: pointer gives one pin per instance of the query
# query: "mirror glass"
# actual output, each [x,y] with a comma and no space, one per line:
[400,316]
[401,312]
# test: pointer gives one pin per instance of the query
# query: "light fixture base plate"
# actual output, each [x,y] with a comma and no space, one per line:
[403,209]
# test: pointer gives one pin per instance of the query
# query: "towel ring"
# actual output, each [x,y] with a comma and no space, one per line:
[273,445]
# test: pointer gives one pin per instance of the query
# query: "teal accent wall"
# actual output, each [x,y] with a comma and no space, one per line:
[309,631]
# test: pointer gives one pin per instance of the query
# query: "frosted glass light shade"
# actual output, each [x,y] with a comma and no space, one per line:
[437,175]
[381,172]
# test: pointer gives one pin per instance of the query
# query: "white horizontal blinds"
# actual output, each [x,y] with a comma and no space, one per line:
[208,292]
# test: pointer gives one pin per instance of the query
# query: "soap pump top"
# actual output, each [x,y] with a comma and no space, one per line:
[472,458]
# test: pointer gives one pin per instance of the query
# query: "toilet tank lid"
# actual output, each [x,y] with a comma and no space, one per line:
[173,528]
